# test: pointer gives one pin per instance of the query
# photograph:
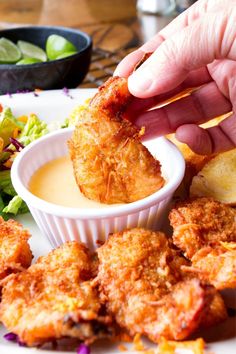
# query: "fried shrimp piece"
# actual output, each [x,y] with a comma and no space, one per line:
[216,265]
[202,222]
[15,253]
[200,226]
[110,163]
[54,298]
[144,288]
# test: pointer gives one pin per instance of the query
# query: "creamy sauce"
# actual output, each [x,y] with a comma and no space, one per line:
[55,183]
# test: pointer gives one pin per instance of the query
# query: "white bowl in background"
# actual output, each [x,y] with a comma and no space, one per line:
[92,226]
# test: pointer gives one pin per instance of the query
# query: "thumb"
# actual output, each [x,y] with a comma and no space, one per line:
[211,37]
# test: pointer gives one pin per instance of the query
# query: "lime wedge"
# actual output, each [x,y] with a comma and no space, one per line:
[65,55]
[9,52]
[58,45]
[26,61]
[30,50]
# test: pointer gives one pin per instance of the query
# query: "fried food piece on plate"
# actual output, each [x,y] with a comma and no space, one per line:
[54,298]
[110,163]
[205,230]
[144,288]
[202,222]
[15,253]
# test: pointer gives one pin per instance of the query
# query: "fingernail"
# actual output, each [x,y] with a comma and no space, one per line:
[140,80]
[116,72]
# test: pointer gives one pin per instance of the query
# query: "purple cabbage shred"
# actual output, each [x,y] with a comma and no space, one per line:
[23,91]
[11,337]
[83,349]
[17,144]
[20,343]
[8,150]
[66,92]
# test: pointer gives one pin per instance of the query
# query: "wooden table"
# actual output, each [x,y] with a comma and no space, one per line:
[115,26]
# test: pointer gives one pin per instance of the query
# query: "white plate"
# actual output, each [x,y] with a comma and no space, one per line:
[54,106]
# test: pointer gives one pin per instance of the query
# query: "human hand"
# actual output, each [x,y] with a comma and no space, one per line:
[197,49]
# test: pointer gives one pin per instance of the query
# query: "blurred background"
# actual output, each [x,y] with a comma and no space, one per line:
[117,27]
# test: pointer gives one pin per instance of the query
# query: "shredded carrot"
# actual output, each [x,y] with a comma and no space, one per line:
[15,133]
[122,348]
[38,90]
[1,144]
[169,347]
[123,337]
[1,108]
[141,132]
[230,246]
[137,342]
[22,119]
[8,163]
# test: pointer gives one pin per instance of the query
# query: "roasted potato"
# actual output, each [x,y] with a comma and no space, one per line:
[217,179]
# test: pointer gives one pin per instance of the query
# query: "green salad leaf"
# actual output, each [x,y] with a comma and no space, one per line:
[16,206]
[10,202]
[8,123]
[33,129]
[6,186]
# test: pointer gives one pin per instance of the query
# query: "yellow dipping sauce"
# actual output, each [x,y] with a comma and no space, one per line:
[55,183]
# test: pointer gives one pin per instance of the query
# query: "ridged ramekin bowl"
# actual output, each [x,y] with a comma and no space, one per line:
[92,226]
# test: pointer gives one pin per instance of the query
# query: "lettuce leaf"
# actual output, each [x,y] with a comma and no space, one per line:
[10,203]
[6,186]
[16,206]
[8,123]
[33,129]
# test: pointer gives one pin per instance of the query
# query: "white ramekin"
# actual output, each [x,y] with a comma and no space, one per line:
[92,226]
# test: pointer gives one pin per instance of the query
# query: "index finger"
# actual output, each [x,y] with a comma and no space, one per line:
[126,66]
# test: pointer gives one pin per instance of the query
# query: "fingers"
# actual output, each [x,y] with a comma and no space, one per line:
[126,66]
[209,141]
[202,105]
[171,63]
[195,79]
[198,139]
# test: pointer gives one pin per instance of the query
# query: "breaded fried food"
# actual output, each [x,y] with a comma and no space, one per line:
[205,230]
[144,288]
[15,253]
[54,298]
[202,222]
[110,163]
[216,265]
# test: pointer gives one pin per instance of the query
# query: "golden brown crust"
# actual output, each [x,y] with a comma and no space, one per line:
[202,222]
[15,253]
[215,313]
[205,230]
[216,265]
[53,298]
[144,288]
[110,163]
